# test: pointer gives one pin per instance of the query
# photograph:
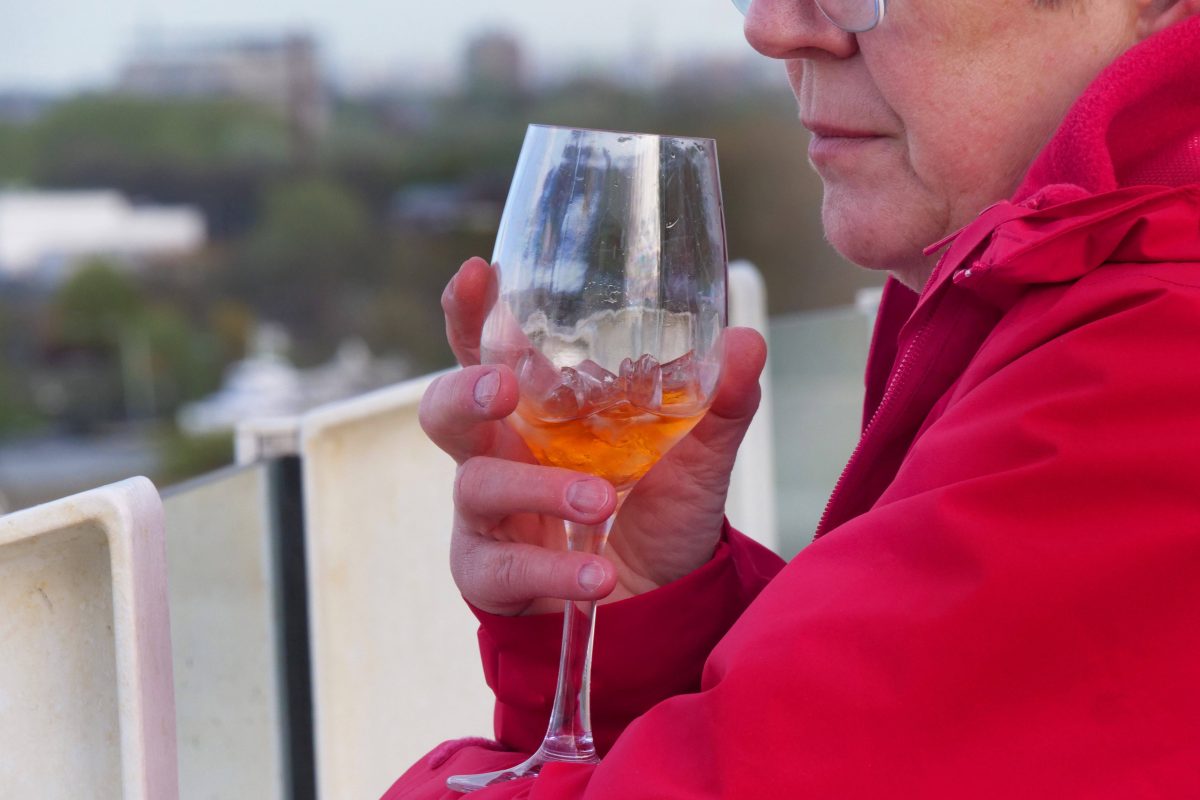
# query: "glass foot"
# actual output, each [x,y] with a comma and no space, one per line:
[526,769]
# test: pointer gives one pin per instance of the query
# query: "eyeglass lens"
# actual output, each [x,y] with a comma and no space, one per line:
[854,16]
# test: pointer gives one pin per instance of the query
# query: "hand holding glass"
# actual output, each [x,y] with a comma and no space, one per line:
[610,311]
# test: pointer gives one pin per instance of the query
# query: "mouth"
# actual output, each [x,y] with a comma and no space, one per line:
[831,141]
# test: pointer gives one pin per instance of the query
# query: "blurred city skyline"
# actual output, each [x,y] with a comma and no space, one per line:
[61,46]
[183,183]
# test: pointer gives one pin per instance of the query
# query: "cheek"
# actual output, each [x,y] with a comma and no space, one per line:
[962,137]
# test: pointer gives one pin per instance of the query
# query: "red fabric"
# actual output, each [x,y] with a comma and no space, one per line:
[1004,596]
[635,666]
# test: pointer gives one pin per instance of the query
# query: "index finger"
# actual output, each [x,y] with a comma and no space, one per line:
[467,300]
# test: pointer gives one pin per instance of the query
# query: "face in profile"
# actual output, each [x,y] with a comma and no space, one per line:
[920,123]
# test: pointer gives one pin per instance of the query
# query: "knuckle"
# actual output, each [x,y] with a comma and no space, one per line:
[466,482]
[428,412]
[474,483]
[508,572]
[462,565]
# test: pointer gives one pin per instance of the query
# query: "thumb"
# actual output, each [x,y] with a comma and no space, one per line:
[739,394]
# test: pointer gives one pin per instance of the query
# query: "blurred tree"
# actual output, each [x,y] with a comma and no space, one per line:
[216,154]
[96,305]
[151,349]
[314,243]
[134,132]
[232,324]
[16,405]
[184,362]
[312,249]
[397,319]
[17,149]
[81,379]
[186,456]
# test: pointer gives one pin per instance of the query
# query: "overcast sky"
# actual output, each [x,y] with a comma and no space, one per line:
[67,44]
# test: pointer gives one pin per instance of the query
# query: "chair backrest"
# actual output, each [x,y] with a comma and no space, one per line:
[751,502]
[395,665]
[227,636]
[86,704]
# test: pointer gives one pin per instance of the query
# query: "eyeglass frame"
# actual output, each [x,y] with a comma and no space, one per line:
[880,9]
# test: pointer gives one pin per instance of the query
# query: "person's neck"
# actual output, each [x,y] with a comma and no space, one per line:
[915,275]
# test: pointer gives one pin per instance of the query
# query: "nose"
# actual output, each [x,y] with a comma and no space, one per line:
[791,29]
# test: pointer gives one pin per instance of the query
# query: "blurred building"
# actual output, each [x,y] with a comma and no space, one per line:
[281,72]
[45,233]
[494,66]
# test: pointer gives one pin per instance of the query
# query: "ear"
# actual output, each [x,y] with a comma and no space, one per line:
[1156,15]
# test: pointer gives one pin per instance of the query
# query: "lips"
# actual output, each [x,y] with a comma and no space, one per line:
[831,141]
[831,131]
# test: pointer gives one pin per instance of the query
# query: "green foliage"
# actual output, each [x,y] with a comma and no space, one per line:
[16,414]
[17,149]
[132,133]
[97,305]
[149,348]
[315,243]
[310,229]
[184,362]
[308,245]
[186,456]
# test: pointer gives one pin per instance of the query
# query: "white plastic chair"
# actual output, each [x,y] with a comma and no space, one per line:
[395,666]
[751,502]
[86,704]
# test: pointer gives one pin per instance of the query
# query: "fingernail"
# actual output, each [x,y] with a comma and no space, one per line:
[591,575]
[486,388]
[587,496]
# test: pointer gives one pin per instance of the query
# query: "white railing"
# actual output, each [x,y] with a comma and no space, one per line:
[86,699]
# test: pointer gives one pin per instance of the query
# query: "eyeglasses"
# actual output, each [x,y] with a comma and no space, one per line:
[852,16]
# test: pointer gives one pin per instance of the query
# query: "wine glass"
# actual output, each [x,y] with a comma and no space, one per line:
[610,306]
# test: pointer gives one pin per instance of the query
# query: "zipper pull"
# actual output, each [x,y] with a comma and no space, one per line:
[940,243]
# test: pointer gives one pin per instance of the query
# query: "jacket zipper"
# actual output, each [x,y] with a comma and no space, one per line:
[893,387]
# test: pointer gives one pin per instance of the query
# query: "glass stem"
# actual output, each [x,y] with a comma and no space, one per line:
[569,735]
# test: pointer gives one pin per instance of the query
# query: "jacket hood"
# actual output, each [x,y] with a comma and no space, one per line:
[1137,124]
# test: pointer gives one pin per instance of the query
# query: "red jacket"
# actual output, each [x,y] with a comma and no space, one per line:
[1003,599]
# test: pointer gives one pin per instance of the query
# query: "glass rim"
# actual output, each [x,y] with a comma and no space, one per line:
[632,134]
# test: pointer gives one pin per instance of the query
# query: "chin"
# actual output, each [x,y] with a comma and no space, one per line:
[862,239]
[873,233]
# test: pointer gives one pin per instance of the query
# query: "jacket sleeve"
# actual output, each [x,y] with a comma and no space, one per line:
[1016,617]
[647,649]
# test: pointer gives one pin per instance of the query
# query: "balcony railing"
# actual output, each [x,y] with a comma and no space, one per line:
[318,643]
